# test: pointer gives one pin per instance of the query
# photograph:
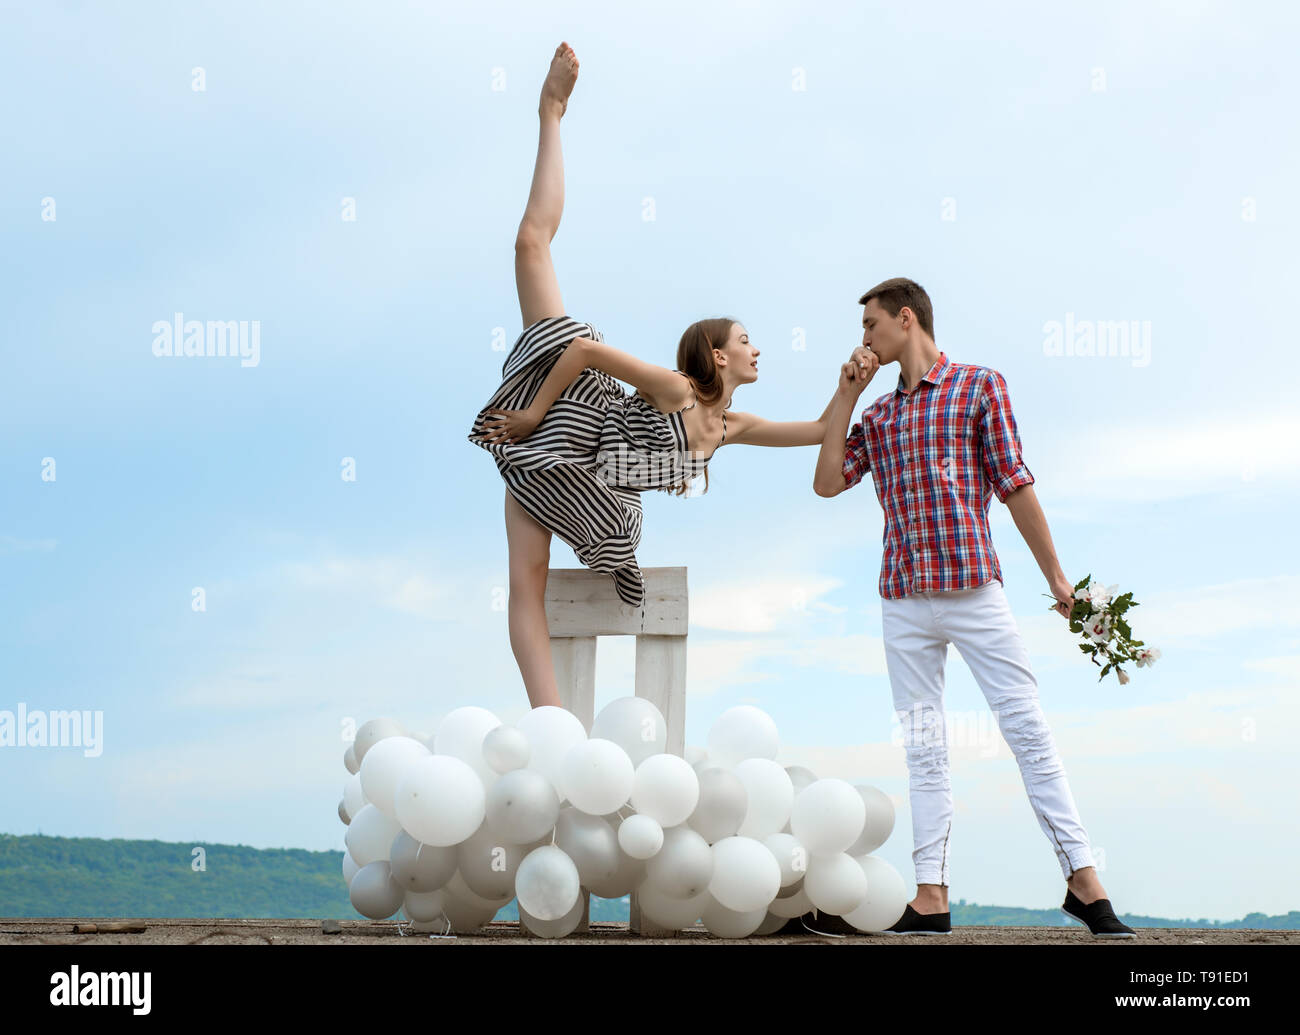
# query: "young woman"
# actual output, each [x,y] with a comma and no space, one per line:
[574,448]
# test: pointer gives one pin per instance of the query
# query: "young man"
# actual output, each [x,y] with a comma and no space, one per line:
[939,447]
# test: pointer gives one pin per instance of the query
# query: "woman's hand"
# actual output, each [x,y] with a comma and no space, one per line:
[867,363]
[506,427]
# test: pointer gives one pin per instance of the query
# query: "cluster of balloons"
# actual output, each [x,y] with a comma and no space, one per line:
[449,828]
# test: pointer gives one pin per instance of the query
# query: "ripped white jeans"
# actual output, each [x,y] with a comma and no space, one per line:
[917,630]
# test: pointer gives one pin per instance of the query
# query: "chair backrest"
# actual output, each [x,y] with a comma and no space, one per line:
[582,604]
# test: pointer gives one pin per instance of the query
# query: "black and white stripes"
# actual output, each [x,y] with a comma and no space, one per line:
[581,471]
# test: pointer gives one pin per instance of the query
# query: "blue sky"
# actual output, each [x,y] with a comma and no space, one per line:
[1113,163]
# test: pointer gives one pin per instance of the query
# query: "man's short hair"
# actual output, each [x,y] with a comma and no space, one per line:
[891,295]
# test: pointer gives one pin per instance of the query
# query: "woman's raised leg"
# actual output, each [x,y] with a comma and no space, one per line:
[530,639]
[535,280]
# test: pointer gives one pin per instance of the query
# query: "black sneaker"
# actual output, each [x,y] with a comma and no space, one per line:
[912,922]
[1097,916]
[829,924]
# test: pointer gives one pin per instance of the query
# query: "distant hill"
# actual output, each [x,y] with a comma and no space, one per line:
[92,877]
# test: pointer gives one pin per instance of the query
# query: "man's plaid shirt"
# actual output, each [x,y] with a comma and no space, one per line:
[937,455]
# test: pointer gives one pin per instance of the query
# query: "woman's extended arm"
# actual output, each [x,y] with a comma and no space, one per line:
[751,430]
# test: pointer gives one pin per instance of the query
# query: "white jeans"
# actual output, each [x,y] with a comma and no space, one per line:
[917,630]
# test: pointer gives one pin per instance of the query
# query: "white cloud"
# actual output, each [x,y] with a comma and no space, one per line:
[1287,666]
[1139,462]
[774,601]
[394,583]
[1180,616]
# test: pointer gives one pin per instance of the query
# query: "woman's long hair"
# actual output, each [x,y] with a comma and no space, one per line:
[695,360]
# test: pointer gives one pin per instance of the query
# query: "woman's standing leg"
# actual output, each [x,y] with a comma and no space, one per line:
[535,280]
[530,639]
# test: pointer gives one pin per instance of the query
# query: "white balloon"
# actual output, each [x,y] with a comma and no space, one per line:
[421,868]
[522,806]
[461,734]
[666,911]
[666,789]
[885,900]
[695,754]
[560,928]
[372,733]
[551,732]
[488,863]
[350,760]
[440,801]
[354,798]
[465,917]
[457,888]
[770,796]
[790,855]
[505,748]
[343,813]
[800,777]
[547,883]
[370,836]
[835,884]
[742,732]
[879,823]
[722,805]
[683,867]
[590,842]
[635,725]
[828,816]
[423,906]
[792,905]
[350,868]
[771,924]
[746,876]
[596,776]
[722,922]
[640,836]
[629,874]
[374,893]
[384,767]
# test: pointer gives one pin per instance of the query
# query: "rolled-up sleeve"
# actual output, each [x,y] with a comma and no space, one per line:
[1003,465]
[856,461]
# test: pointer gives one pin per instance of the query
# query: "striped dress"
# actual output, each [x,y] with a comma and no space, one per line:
[581,471]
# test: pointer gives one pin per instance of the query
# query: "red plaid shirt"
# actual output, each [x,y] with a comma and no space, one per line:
[938,454]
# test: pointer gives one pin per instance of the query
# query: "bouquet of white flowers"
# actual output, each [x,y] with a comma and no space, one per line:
[1099,615]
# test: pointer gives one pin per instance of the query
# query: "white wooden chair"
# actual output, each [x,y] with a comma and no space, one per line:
[580,605]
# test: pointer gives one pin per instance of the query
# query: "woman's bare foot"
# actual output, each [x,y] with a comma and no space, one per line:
[559,81]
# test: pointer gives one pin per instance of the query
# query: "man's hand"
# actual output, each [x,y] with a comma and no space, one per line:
[508,426]
[1064,593]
